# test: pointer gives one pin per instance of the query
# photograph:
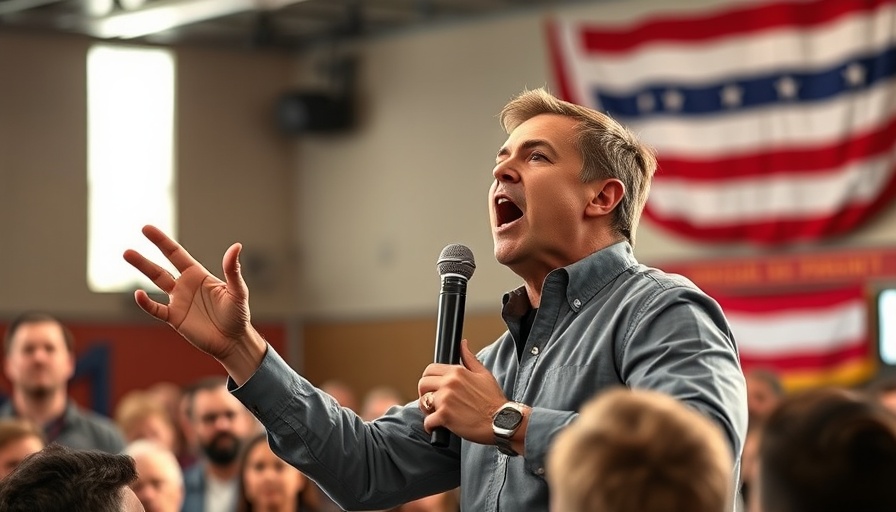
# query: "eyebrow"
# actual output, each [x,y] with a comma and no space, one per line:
[529,144]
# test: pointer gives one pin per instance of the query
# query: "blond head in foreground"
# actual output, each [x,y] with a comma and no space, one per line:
[639,451]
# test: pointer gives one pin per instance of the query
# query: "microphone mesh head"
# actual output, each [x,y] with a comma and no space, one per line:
[456,259]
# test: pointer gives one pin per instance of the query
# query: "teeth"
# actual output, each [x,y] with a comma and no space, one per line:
[502,200]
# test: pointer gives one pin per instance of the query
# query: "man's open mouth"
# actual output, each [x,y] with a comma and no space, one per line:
[506,211]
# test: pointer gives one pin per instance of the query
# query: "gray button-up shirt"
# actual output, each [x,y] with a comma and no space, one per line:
[603,321]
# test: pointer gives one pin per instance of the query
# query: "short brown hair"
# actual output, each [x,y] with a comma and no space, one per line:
[640,451]
[609,150]
[36,317]
[828,450]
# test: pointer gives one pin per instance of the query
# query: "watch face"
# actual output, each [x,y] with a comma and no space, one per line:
[508,418]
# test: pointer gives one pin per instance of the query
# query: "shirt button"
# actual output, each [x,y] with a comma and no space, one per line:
[577,303]
[534,351]
[539,471]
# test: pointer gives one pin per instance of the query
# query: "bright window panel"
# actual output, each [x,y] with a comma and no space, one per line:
[130,160]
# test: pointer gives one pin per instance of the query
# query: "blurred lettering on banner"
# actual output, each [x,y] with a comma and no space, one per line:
[805,316]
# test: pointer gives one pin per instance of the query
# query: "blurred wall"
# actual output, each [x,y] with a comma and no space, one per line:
[234,173]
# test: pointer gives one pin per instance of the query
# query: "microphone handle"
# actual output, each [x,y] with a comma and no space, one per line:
[449,329]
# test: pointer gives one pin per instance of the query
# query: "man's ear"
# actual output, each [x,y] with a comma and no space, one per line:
[605,195]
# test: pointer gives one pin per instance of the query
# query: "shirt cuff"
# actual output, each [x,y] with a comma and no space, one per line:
[267,393]
[544,424]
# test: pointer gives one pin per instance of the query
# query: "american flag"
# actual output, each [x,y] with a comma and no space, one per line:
[808,338]
[774,121]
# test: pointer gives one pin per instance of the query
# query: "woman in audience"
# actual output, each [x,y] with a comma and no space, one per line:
[267,484]
[18,439]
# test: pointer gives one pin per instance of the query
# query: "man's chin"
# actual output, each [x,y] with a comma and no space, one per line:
[37,391]
[506,253]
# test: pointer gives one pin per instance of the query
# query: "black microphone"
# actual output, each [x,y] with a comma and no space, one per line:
[456,266]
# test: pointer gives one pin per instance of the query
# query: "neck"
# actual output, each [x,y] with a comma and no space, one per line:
[533,290]
[223,473]
[286,506]
[39,408]
[534,273]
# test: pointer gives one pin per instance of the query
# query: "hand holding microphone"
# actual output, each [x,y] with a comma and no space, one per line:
[456,266]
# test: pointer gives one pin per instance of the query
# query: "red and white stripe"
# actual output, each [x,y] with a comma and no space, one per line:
[777,174]
[811,335]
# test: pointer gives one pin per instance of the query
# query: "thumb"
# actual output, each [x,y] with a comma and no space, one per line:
[468,358]
[235,283]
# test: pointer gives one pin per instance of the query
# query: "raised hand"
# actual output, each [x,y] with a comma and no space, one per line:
[211,314]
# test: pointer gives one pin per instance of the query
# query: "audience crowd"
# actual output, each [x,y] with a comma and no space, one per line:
[195,448]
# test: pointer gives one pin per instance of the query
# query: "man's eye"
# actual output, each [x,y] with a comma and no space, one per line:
[537,156]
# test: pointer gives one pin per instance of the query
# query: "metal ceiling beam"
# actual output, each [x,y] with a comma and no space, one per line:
[166,15]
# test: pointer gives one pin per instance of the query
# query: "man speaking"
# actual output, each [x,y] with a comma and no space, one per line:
[569,186]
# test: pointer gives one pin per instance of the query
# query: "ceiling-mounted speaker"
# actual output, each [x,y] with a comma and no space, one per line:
[313,112]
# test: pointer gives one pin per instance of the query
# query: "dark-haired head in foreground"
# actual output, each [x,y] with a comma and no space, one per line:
[59,479]
[828,450]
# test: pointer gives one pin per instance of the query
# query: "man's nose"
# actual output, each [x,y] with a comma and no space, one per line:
[223,422]
[39,355]
[504,171]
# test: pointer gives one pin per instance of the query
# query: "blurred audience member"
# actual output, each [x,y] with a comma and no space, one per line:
[60,479]
[18,439]
[40,361]
[379,400]
[749,468]
[828,450]
[342,392]
[884,391]
[222,425]
[189,451]
[169,395]
[160,482]
[139,415]
[640,451]
[267,483]
[764,391]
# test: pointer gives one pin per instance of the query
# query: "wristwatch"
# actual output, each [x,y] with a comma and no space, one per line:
[505,423]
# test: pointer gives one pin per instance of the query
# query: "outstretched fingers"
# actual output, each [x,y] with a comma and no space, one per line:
[158,275]
[173,251]
[152,307]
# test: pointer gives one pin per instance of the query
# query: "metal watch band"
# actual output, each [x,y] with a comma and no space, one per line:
[505,446]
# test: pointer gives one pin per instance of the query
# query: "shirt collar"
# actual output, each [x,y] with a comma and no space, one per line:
[582,279]
[591,274]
